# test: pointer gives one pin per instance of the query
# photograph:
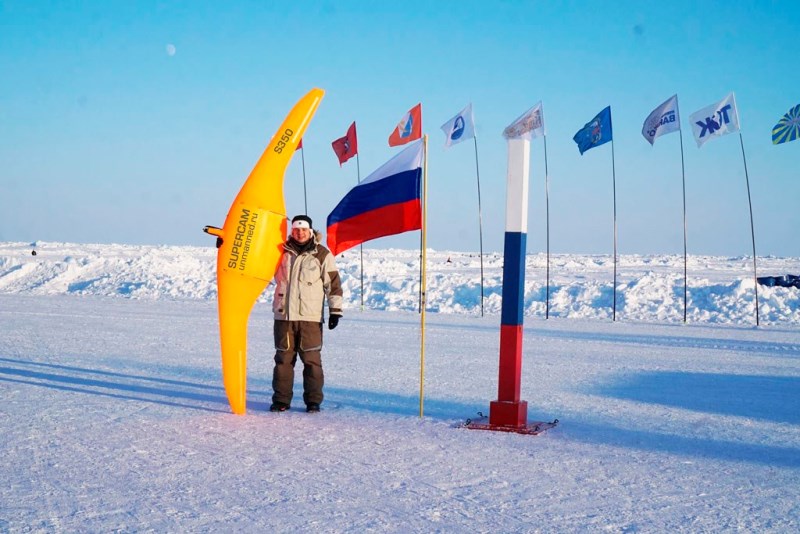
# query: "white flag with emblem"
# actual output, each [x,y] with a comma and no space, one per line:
[528,125]
[662,120]
[715,120]
[459,128]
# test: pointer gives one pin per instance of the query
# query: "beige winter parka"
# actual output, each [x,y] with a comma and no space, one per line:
[306,275]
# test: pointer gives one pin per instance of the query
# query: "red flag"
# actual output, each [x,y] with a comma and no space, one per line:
[299,146]
[346,147]
[409,128]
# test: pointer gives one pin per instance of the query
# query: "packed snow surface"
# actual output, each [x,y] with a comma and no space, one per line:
[114,418]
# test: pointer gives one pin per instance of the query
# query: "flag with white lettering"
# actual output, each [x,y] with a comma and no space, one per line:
[662,120]
[715,120]
[459,128]
[529,125]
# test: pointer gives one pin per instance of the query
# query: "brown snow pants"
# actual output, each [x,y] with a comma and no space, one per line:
[293,338]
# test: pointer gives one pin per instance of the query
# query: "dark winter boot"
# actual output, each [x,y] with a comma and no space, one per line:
[278,407]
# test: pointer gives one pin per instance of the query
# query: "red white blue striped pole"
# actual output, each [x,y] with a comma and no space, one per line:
[508,410]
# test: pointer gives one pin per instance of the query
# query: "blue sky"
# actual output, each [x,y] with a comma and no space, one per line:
[107,136]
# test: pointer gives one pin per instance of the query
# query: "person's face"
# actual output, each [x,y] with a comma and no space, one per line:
[301,235]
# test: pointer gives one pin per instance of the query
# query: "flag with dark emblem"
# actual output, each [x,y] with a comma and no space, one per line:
[346,147]
[595,132]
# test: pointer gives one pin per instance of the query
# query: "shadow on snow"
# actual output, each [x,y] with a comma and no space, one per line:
[776,400]
[177,393]
[771,398]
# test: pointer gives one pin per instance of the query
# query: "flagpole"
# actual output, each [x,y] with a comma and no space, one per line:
[685,271]
[361,245]
[752,230]
[547,218]
[422,284]
[421,260]
[420,304]
[303,159]
[614,187]
[480,216]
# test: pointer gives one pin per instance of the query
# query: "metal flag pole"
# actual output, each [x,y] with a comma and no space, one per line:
[480,216]
[614,187]
[305,196]
[361,245]
[547,217]
[422,284]
[752,230]
[685,273]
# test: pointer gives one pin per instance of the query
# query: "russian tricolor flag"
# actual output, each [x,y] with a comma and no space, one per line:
[386,202]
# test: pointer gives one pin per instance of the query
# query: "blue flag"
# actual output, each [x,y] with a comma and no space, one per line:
[596,132]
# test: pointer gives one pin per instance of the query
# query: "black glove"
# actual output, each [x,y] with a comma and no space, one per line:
[333,321]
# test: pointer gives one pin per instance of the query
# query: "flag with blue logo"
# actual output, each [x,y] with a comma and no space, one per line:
[409,128]
[459,128]
[788,128]
[595,132]
[662,120]
[715,120]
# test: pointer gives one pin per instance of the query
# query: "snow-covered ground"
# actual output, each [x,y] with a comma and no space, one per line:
[114,418]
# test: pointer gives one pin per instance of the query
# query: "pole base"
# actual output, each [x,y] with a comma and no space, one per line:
[508,413]
[532,429]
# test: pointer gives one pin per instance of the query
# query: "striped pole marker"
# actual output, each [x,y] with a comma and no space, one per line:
[508,410]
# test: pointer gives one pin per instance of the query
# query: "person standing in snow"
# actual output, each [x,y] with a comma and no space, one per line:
[306,275]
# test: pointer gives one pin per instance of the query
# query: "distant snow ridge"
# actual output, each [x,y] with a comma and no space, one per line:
[649,288]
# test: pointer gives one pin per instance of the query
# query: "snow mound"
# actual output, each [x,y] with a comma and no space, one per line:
[649,288]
